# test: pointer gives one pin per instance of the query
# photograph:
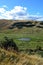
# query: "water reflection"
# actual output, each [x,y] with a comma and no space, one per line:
[24,39]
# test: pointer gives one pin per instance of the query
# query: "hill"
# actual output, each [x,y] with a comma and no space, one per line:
[17,29]
[4,24]
[28,36]
[11,24]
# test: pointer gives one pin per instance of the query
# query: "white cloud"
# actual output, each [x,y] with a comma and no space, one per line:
[18,12]
[2,10]
[19,9]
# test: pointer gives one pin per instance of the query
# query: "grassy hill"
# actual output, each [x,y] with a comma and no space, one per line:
[28,29]
[19,29]
[4,24]
[11,24]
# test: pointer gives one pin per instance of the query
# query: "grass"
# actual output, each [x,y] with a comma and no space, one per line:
[12,58]
[22,58]
[32,33]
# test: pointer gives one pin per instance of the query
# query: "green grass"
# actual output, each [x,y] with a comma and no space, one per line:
[35,34]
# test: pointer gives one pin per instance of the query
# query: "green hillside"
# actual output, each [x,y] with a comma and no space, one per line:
[28,36]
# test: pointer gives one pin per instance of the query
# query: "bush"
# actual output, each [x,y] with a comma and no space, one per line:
[39,48]
[9,43]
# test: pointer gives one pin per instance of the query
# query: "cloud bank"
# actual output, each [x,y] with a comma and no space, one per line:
[18,12]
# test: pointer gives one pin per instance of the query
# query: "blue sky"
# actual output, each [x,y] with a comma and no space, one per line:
[21,9]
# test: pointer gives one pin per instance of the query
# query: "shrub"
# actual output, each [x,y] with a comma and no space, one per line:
[9,43]
[38,48]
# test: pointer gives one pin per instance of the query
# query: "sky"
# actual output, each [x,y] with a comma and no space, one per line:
[21,9]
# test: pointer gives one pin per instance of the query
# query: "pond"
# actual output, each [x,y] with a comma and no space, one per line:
[24,39]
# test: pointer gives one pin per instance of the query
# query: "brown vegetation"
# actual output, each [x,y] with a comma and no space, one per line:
[11,24]
[12,58]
